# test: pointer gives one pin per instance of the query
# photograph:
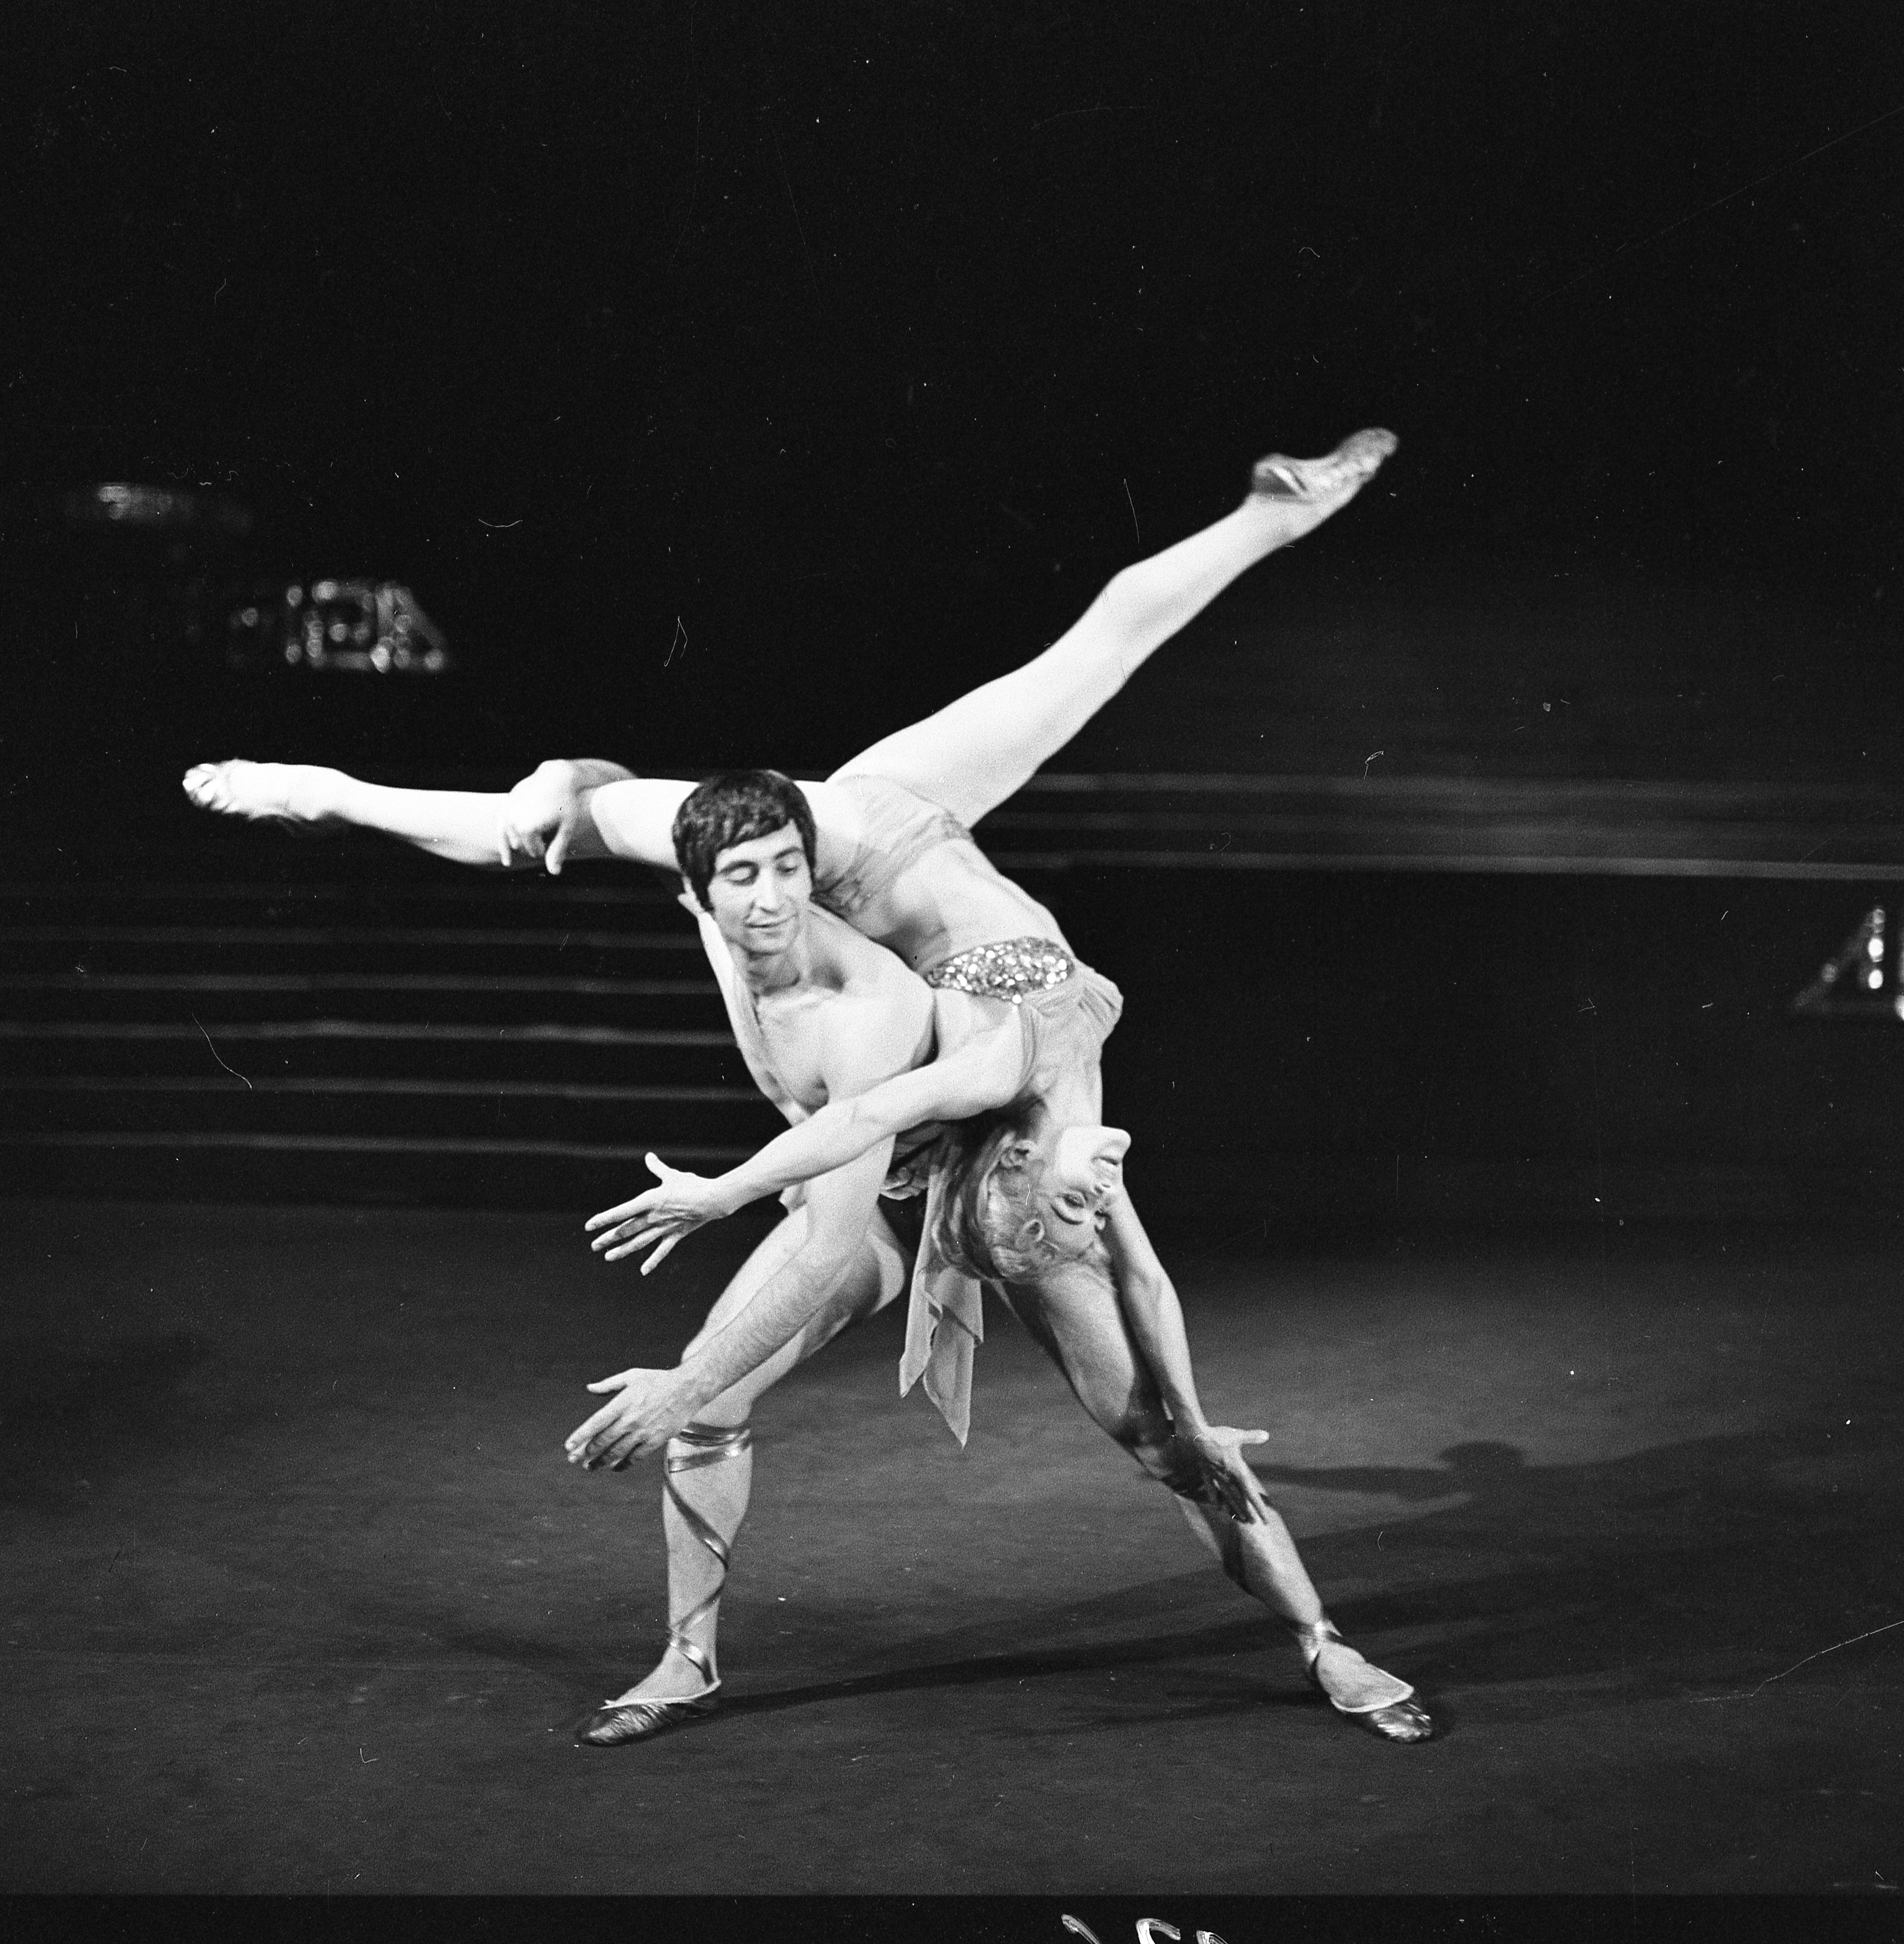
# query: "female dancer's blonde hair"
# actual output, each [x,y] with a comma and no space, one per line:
[988,1223]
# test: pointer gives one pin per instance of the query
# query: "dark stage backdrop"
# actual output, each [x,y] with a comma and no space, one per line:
[876,334]
[732,382]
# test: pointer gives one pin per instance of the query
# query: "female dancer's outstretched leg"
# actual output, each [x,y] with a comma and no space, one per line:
[465,826]
[969,757]
[977,751]
[1076,1317]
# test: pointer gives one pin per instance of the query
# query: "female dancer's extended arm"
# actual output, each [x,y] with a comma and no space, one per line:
[985,1074]
[1154,1317]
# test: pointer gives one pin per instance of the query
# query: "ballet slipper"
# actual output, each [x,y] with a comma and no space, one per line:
[1371,1697]
[1352,463]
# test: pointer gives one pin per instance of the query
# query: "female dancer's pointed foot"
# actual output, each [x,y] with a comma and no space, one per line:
[1351,466]
[1369,1695]
[1405,1721]
[268,793]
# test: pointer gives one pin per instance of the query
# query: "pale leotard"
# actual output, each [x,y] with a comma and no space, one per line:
[1068,1020]
[1066,1012]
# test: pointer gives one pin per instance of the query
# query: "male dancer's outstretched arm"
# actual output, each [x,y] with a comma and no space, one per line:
[983,1074]
[654,1405]
[853,1043]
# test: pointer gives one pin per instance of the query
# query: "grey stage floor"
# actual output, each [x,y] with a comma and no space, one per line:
[300,1596]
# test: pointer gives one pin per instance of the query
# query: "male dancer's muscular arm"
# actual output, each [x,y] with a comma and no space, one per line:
[855,1044]
[600,809]
[839,1210]
[983,1074]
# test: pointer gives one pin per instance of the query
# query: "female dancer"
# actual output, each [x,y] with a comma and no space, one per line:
[1030,1177]
[1024,1185]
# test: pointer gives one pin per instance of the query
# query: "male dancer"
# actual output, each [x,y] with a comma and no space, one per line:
[820,1013]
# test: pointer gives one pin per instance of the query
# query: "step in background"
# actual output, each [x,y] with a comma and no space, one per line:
[245,1018]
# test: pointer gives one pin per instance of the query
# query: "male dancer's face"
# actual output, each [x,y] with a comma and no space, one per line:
[759,892]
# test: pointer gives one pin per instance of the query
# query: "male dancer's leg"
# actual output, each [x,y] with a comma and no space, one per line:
[1074,1315]
[715,1495]
[977,751]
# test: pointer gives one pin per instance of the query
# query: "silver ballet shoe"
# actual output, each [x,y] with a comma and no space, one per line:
[1358,458]
[232,788]
[616,1722]
[1394,1717]
[1402,1722]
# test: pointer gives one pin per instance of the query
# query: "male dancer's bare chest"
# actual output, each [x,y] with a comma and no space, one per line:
[783,1038]
[791,1032]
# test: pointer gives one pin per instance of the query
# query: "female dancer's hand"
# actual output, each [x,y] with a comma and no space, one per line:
[682,1204]
[1227,1476]
[651,1407]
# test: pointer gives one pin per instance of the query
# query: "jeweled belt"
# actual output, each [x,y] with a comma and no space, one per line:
[1009,969]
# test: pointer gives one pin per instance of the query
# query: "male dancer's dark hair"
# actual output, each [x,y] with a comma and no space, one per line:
[732,808]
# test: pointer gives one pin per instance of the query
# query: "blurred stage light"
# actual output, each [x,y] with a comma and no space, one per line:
[1834,994]
[351,627]
[121,504]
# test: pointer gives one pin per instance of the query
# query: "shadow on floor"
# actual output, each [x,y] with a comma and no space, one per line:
[1645,1567]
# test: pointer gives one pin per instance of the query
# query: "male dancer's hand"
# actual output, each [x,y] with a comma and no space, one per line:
[652,1407]
[1227,1475]
[683,1203]
[539,816]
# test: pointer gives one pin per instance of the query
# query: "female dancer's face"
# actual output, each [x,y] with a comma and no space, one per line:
[1074,1174]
